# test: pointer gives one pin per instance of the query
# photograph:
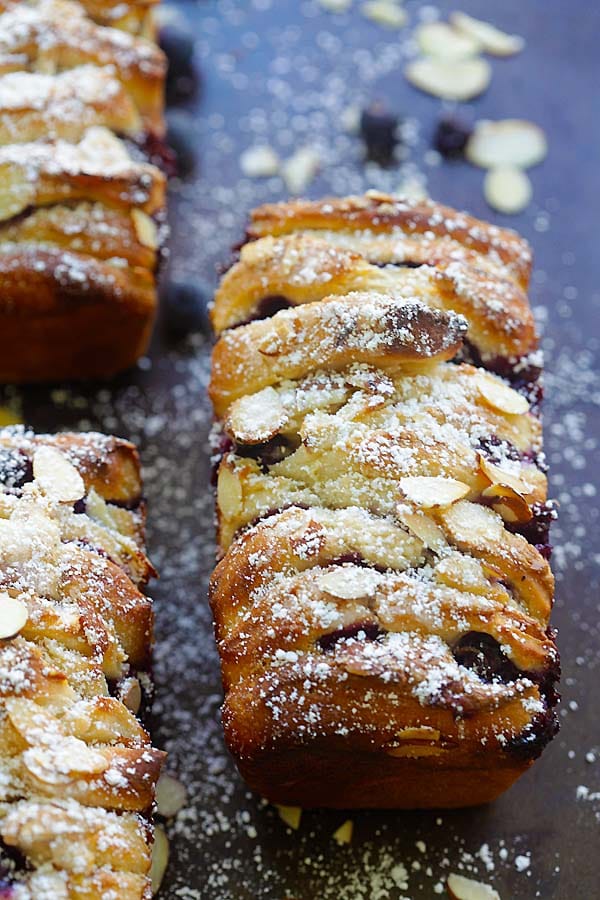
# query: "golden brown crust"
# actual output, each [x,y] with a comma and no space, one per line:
[79,769]
[301,269]
[378,329]
[382,605]
[413,231]
[56,35]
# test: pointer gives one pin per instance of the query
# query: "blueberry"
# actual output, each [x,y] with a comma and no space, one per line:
[182,139]
[185,308]
[483,654]
[15,468]
[178,47]
[378,129]
[450,138]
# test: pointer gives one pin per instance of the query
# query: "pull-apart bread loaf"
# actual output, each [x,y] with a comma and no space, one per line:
[77,769]
[81,200]
[383,598]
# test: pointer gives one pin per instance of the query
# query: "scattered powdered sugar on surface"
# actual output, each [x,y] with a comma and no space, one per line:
[227,844]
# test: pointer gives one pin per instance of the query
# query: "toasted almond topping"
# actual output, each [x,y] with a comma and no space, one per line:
[299,170]
[507,142]
[491,39]
[291,815]
[501,397]
[160,858]
[419,733]
[508,503]
[13,615]
[499,476]
[56,476]
[171,795]
[431,492]
[385,12]
[145,228]
[229,492]
[259,162]
[444,42]
[130,694]
[343,834]
[450,79]
[461,888]
[423,527]
[349,582]
[507,190]
[257,417]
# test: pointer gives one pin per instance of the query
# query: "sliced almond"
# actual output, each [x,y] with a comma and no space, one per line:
[385,12]
[424,528]
[510,504]
[256,418]
[450,79]
[432,492]
[145,228]
[13,616]
[299,170]
[419,733]
[515,143]
[497,475]
[259,162]
[507,190]
[171,795]
[440,40]
[160,858]
[501,397]
[343,834]
[413,751]
[291,815]
[461,888]
[335,6]
[229,492]
[130,694]
[491,39]
[56,476]
[462,572]
[350,582]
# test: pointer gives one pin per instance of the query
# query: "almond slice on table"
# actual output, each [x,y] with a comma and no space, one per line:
[56,476]
[506,142]
[171,796]
[507,190]
[501,397]
[160,858]
[335,6]
[259,162]
[432,492]
[450,79]
[385,12]
[13,615]
[461,888]
[291,815]
[491,39]
[440,40]
[343,834]
[299,170]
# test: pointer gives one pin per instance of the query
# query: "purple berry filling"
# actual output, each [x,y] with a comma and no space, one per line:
[371,632]
[483,654]
[16,469]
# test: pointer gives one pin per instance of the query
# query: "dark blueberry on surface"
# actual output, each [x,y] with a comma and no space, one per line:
[178,46]
[482,653]
[378,129]
[15,468]
[450,137]
[185,308]
[79,506]
[268,306]
[270,452]
[182,140]
[370,629]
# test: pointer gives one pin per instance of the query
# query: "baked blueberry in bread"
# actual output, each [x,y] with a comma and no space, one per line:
[81,203]
[78,768]
[383,596]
